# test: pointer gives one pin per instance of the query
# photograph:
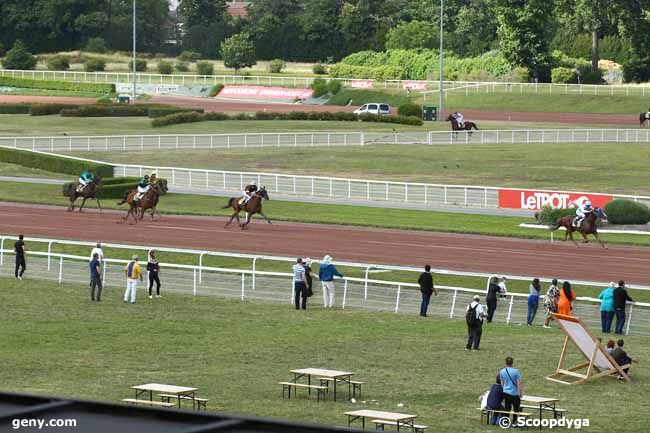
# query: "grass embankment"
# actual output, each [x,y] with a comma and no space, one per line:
[360,97]
[278,210]
[20,171]
[45,92]
[56,342]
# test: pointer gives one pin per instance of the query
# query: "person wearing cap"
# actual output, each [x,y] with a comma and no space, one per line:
[550,302]
[326,274]
[606,297]
[474,318]
[133,274]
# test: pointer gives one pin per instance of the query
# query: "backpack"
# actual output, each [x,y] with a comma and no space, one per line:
[470,316]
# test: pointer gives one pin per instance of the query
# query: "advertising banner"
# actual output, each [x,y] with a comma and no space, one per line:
[262,92]
[362,84]
[414,85]
[536,200]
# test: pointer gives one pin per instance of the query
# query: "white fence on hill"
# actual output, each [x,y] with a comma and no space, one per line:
[528,136]
[252,284]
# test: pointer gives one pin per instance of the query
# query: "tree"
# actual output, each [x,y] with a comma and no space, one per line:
[206,23]
[238,52]
[475,25]
[202,12]
[416,34]
[18,57]
[274,26]
[320,32]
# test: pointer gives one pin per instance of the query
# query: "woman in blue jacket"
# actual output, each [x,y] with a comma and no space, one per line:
[607,308]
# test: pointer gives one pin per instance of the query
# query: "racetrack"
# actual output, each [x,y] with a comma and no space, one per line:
[359,244]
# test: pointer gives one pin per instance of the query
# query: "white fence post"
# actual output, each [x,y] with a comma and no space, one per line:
[365,285]
[201,267]
[512,301]
[453,304]
[629,320]
[60,269]
[194,282]
[243,286]
[2,251]
[49,254]
[399,291]
[345,293]
[254,268]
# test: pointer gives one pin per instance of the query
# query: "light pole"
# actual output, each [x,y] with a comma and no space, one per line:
[134,51]
[441,61]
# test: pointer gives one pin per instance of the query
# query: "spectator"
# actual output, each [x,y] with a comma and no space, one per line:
[513,387]
[307,265]
[19,248]
[550,302]
[620,298]
[153,271]
[502,285]
[567,296]
[607,308]
[495,399]
[326,274]
[474,318]
[427,288]
[621,357]
[533,300]
[300,285]
[611,344]
[97,250]
[95,278]
[491,298]
[133,274]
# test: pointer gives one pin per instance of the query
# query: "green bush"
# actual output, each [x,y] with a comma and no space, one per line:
[627,212]
[52,163]
[18,57]
[49,109]
[28,83]
[403,120]
[520,74]
[58,63]
[276,66]
[165,67]
[14,108]
[189,56]
[182,66]
[94,65]
[2,50]
[410,110]
[334,86]
[637,70]
[104,100]
[319,69]
[319,86]
[116,187]
[562,75]
[140,65]
[107,111]
[381,73]
[173,119]
[214,91]
[96,45]
[215,115]
[204,68]
[549,215]
[156,112]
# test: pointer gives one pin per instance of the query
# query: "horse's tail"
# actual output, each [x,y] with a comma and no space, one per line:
[474,125]
[67,188]
[229,203]
[125,199]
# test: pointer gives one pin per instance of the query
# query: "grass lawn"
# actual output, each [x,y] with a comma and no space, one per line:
[20,171]
[601,167]
[55,341]
[47,92]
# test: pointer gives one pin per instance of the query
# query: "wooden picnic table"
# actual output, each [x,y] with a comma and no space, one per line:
[178,391]
[337,376]
[542,402]
[402,419]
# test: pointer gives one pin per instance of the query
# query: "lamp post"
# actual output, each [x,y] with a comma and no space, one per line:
[440,116]
[134,69]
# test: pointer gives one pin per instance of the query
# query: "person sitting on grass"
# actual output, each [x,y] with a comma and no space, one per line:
[621,357]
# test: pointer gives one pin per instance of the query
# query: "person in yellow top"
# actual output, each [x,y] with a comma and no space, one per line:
[133,274]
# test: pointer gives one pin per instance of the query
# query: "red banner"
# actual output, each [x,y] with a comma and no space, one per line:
[362,84]
[414,85]
[535,200]
[262,92]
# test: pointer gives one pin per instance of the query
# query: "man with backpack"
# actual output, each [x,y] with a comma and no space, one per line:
[474,318]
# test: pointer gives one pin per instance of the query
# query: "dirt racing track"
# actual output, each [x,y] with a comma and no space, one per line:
[378,246]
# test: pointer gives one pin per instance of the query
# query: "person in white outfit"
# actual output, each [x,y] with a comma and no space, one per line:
[133,274]
[326,274]
[581,213]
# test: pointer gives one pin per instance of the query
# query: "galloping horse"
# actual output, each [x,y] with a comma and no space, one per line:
[90,191]
[589,226]
[148,201]
[253,206]
[644,118]
[468,126]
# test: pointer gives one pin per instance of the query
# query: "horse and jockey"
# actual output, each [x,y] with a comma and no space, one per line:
[584,222]
[250,202]
[644,118]
[145,197]
[458,123]
[86,187]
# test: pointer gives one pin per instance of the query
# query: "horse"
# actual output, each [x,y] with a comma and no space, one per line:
[90,191]
[468,126]
[589,226]
[148,201]
[253,206]
[644,118]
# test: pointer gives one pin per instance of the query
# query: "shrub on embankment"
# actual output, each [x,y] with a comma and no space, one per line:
[52,163]
[549,215]
[627,212]
[28,83]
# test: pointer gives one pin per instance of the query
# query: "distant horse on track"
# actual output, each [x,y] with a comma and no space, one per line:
[589,226]
[644,119]
[468,126]
[90,191]
[253,206]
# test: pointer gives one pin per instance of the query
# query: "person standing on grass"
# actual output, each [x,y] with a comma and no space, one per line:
[326,273]
[133,274]
[550,302]
[513,387]
[97,250]
[19,248]
[299,285]
[153,270]
[474,318]
[533,300]
[310,280]
[427,288]
[95,278]
[567,296]
[491,298]
[620,298]
[606,297]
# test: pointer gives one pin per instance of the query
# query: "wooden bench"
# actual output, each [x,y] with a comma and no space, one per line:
[489,412]
[381,423]
[197,403]
[356,385]
[556,411]
[286,387]
[148,402]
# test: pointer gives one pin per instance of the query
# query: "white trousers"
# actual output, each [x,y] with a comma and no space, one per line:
[328,293]
[131,286]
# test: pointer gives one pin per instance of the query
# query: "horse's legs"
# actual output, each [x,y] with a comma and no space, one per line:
[570,232]
[265,217]
[584,237]
[99,205]
[232,217]
[602,244]
[83,202]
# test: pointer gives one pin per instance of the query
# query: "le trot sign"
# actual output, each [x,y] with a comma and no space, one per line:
[535,200]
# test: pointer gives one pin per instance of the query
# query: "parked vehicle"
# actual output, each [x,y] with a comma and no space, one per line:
[373,108]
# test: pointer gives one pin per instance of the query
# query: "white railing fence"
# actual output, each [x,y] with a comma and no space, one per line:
[528,136]
[244,284]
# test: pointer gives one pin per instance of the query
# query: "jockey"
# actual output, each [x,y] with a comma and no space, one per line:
[581,213]
[84,179]
[143,187]
[460,119]
[249,190]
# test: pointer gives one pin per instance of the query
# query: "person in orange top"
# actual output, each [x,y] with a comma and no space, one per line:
[567,296]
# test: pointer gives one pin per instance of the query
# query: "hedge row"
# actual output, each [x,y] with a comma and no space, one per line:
[56,164]
[549,215]
[28,83]
[106,111]
[155,112]
[115,187]
[627,212]
[193,116]
[14,108]
[382,73]
[50,109]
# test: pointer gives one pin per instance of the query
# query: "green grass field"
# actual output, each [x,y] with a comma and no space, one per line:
[47,92]
[20,171]
[602,167]
[56,341]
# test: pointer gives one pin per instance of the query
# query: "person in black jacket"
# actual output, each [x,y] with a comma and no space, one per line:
[491,298]
[426,287]
[19,248]
[495,399]
[153,269]
[620,297]
[310,279]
